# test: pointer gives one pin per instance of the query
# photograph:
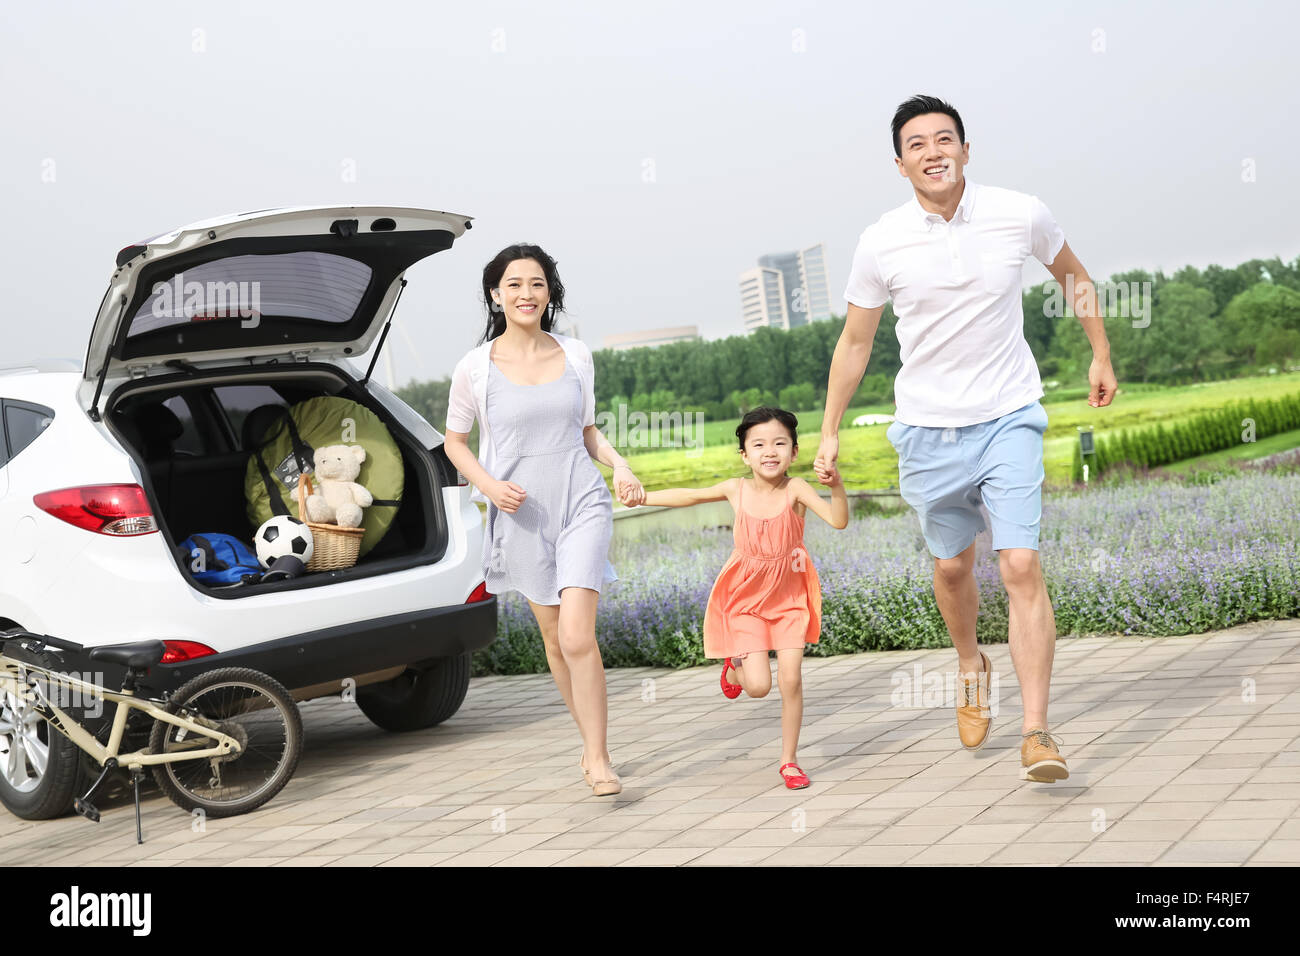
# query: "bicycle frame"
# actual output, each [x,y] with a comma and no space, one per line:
[11,681]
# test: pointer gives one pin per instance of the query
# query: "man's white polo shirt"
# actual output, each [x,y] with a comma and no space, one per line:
[956,292]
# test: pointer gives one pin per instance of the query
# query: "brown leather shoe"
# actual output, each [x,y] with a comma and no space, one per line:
[1041,759]
[974,720]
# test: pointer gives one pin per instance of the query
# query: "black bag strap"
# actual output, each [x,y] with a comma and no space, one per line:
[299,446]
[272,492]
[299,453]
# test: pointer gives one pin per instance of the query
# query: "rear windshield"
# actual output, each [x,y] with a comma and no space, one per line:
[300,285]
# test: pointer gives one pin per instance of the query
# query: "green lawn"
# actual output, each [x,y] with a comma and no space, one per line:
[722,433]
[1243,452]
[867,460]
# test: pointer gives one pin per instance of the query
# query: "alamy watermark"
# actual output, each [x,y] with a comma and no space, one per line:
[1125,300]
[626,429]
[204,301]
[65,696]
[919,689]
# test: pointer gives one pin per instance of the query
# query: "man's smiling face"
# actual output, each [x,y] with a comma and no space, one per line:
[932,156]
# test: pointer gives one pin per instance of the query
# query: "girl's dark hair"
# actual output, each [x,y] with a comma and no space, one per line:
[919,105]
[494,270]
[766,413]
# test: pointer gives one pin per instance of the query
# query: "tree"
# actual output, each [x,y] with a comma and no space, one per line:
[885,353]
[1280,347]
[797,398]
[1182,322]
[1040,327]
[873,390]
[1254,315]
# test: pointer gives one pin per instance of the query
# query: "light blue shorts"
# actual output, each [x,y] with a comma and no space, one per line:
[945,473]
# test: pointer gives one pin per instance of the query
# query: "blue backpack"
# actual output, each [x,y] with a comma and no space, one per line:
[219,559]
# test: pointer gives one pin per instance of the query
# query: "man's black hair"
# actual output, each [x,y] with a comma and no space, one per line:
[919,105]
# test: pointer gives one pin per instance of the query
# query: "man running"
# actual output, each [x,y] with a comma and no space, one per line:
[969,426]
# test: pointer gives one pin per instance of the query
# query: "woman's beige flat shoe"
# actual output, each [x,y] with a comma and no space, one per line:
[607,788]
[586,774]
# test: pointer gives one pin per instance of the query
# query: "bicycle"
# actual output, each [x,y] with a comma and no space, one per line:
[225,742]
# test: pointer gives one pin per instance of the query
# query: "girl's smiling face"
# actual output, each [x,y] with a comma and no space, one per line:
[769,449]
[523,293]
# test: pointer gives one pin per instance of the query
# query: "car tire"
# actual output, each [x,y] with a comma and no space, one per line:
[417,698]
[45,794]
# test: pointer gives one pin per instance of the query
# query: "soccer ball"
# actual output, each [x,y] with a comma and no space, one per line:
[282,535]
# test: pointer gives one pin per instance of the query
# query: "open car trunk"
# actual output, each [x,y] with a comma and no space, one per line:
[187,434]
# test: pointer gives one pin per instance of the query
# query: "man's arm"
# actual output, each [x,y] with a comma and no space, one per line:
[848,364]
[1078,288]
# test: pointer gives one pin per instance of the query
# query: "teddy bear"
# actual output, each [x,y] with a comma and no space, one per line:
[338,499]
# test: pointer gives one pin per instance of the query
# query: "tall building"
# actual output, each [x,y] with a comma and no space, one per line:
[787,290]
[762,299]
[652,337]
[787,263]
[816,286]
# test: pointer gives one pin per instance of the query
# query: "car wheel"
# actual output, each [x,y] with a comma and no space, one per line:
[40,769]
[419,698]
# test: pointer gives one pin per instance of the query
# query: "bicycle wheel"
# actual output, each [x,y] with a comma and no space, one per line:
[247,705]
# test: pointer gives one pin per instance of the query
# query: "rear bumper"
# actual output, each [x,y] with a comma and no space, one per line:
[351,649]
[333,654]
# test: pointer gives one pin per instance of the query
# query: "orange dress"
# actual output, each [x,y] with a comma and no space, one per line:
[768,595]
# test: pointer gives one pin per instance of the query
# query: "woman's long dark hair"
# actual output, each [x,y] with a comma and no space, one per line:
[494,270]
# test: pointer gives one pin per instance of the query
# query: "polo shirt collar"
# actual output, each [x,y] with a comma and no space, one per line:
[964,207]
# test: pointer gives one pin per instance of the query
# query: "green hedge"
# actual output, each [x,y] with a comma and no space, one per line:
[1199,435]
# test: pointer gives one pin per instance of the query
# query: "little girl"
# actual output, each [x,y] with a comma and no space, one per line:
[767,597]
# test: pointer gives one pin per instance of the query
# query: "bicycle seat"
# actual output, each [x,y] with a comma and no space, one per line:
[138,655]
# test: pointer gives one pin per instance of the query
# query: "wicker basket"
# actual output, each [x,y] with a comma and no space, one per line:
[333,547]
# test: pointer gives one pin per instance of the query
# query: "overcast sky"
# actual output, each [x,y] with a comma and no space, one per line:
[655,150]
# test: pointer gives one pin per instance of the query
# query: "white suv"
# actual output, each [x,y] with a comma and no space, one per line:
[106,468]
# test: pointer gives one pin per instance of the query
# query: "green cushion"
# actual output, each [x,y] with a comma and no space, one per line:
[329,421]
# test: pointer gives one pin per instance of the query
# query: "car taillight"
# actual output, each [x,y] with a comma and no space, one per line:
[184,651]
[120,510]
[480,593]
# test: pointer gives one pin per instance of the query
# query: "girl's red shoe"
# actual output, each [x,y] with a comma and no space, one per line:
[794,781]
[732,691]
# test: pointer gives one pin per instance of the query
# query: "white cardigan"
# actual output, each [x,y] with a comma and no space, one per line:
[468,397]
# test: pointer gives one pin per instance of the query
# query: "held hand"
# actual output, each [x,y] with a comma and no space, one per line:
[630,492]
[506,495]
[1101,382]
[824,465]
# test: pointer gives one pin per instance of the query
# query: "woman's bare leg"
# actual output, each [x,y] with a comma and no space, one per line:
[586,675]
[548,620]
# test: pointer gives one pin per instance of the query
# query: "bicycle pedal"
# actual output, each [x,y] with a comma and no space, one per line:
[86,809]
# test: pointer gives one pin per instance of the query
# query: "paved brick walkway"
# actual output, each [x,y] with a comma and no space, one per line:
[1182,751]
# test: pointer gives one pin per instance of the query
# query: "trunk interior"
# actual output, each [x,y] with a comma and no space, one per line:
[192,436]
